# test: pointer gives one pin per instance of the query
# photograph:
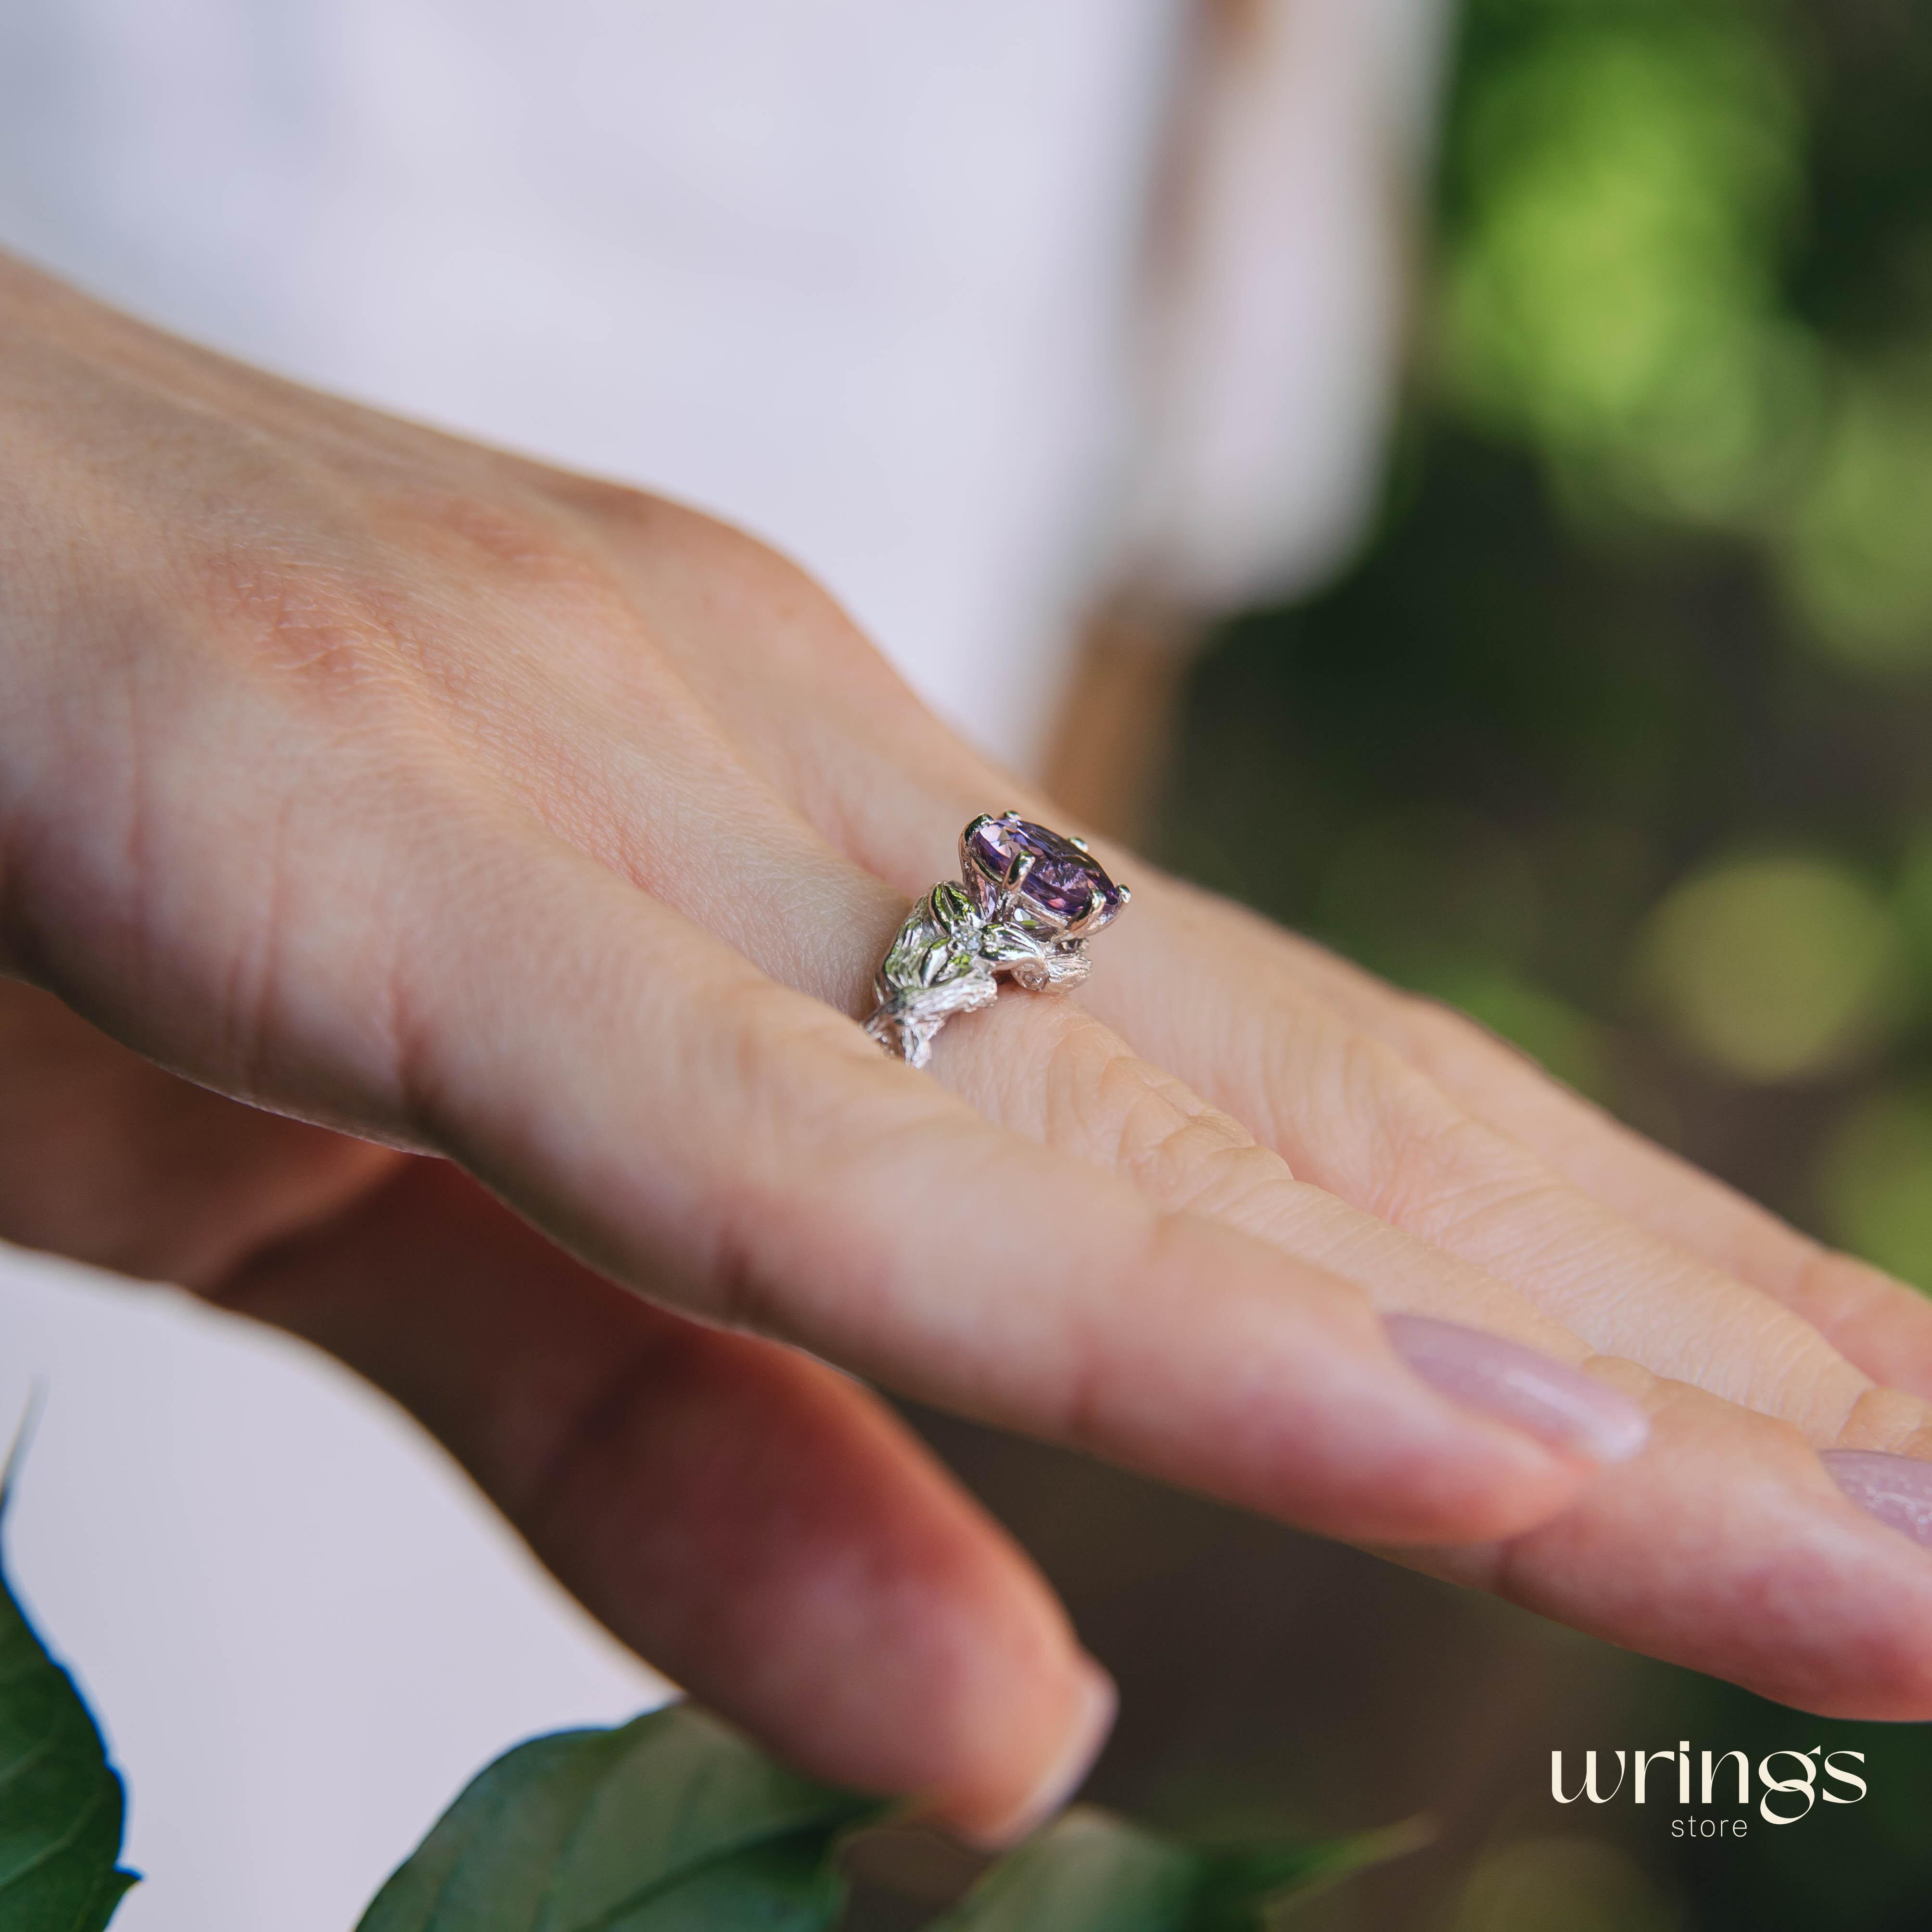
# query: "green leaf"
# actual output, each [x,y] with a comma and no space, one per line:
[61,1806]
[789,1886]
[1086,1873]
[672,1822]
[1090,1872]
[1242,1886]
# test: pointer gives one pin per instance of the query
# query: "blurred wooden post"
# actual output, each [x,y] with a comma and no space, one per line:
[1113,743]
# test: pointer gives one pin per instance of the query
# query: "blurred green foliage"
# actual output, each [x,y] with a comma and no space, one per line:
[1619,735]
[1621,182]
[1619,732]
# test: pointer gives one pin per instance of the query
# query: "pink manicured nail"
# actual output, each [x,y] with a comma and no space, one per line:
[1099,1700]
[1897,1489]
[1561,1406]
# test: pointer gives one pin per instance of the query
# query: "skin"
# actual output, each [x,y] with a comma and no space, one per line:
[436,893]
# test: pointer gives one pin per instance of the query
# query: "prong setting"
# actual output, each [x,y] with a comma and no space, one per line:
[1027,900]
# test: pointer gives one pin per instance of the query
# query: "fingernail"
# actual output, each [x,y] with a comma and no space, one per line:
[1099,1700]
[1559,1406]
[1897,1489]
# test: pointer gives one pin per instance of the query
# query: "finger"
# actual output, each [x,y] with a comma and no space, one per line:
[1879,1323]
[649,1099]
[1728,1548]
[1352,1112]
[106,1159]
[1673,1553]
[745,1519]
[754,1524]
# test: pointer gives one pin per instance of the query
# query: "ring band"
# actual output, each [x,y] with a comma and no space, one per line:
[1025,904]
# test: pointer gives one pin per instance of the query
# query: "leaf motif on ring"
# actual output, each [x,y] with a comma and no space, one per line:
[1008,944]
[934,945]
[951,907]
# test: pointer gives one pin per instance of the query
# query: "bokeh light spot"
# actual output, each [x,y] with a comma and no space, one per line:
[1860,560]
[1581,1885]
[1775,968]
[1627,182]
[1911,904]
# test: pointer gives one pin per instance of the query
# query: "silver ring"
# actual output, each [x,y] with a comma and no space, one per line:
[1025,904]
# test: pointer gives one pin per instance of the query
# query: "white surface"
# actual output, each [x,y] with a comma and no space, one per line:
[300,1627]
[1276,335]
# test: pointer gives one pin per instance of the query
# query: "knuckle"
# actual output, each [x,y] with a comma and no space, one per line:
[1373,1129]
[700,566]
[1105,1102]
[1191,1156]
[1887,1421]
[521,546]
[1876,1320]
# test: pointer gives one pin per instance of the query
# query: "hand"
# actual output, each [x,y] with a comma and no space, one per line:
[435,803]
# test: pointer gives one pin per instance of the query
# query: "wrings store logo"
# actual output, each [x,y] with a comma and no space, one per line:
[1808,1777]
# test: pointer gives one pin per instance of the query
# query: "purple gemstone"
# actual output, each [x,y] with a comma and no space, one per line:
[1065,881]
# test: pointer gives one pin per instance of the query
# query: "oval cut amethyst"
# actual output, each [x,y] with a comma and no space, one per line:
[1065,881]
